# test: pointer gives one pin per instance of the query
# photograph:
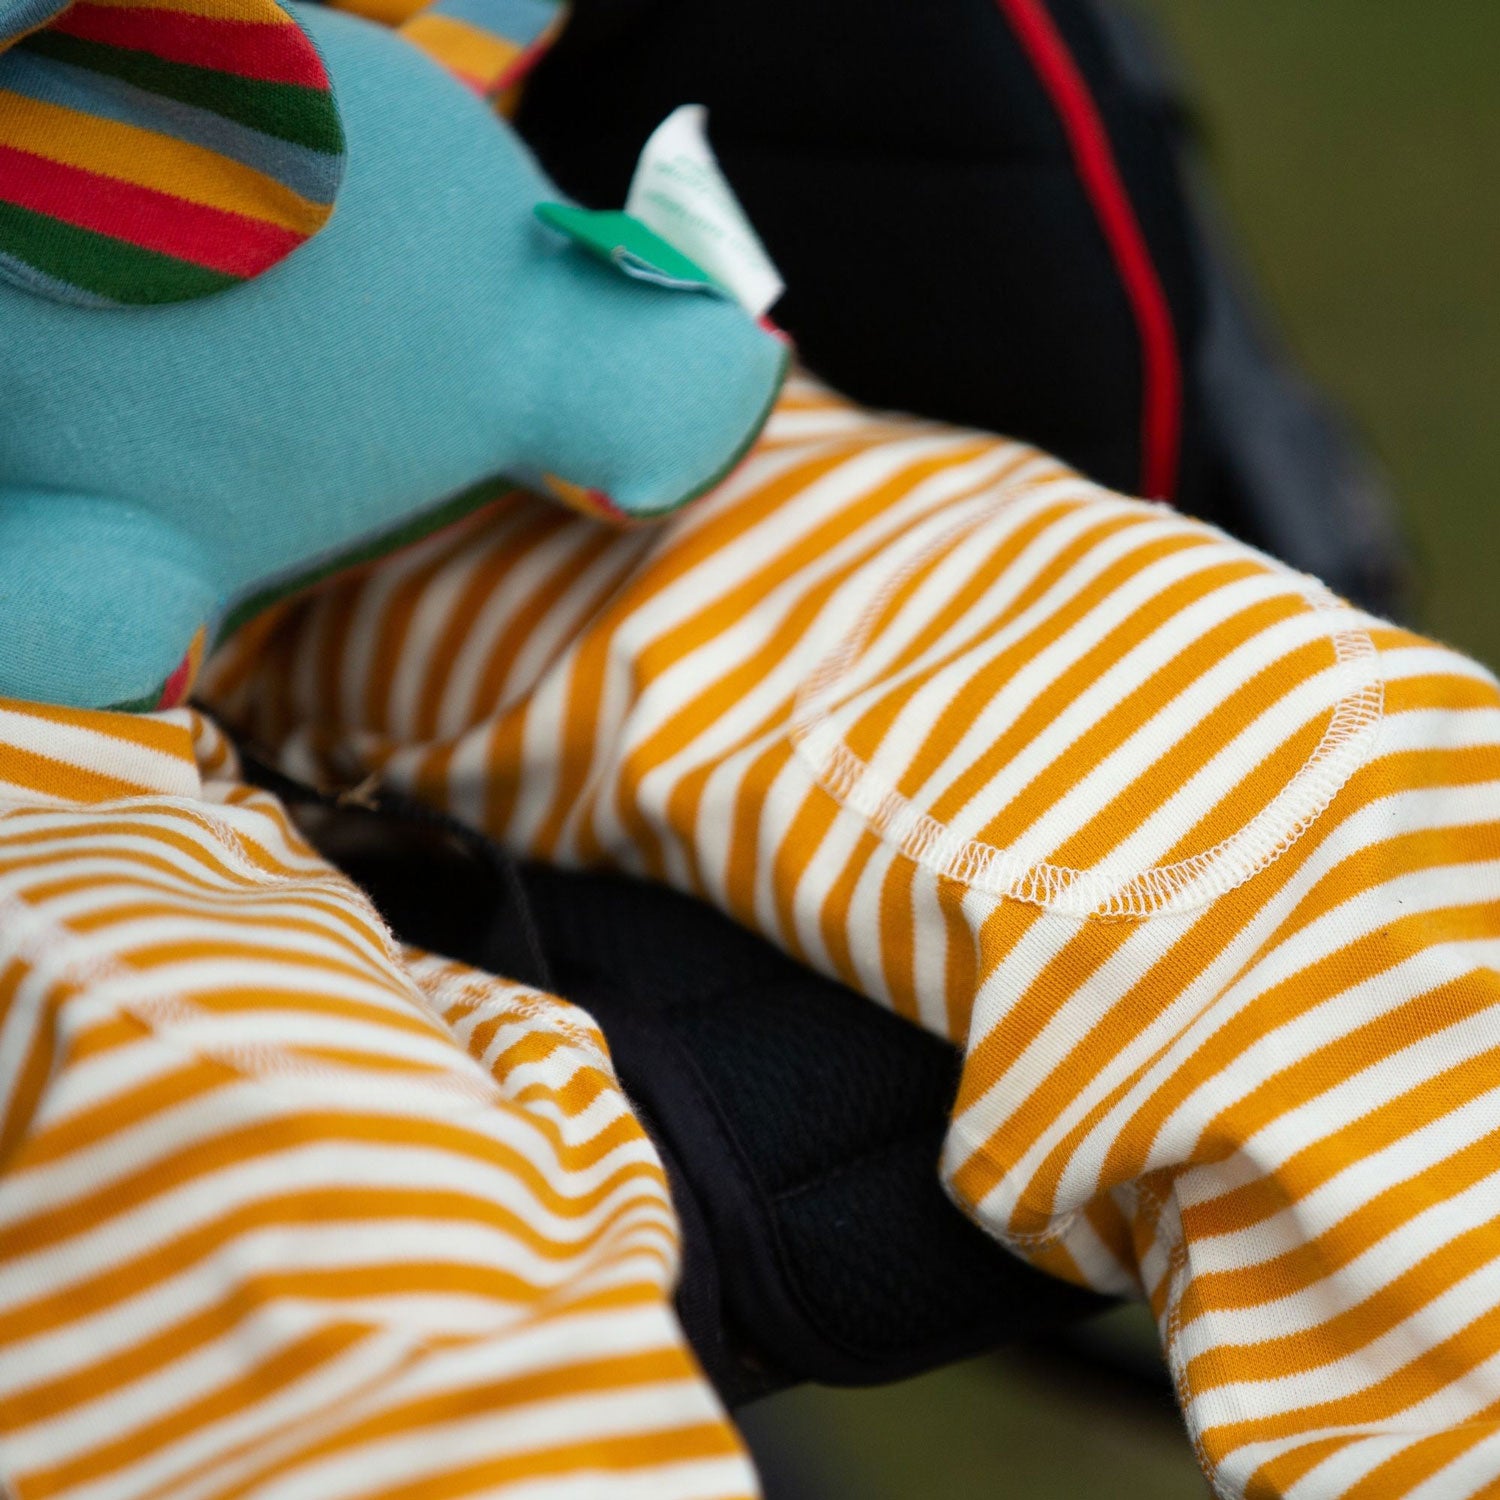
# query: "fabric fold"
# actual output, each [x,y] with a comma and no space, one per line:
[1267,1108]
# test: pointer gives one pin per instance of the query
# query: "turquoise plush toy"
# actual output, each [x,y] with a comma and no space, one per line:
[208,397]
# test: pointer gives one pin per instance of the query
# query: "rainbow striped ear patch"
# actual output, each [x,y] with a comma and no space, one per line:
[157,153]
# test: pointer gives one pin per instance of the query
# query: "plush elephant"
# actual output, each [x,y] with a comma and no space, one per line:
[268,406]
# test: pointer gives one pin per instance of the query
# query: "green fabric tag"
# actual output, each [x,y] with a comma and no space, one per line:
[626,243]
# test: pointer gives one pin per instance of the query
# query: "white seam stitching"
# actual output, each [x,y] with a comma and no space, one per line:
[521,1003]
[1171,1352]
[34,935]
[324,878]
[1188,883]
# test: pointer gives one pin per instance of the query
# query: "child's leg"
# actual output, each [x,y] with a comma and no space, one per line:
[284,1211]
[1203,867]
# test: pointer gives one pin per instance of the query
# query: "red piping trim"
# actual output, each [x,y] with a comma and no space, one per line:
[1093,155]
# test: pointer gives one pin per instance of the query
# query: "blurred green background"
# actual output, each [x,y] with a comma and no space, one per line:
[1025,1424]
[1356,143]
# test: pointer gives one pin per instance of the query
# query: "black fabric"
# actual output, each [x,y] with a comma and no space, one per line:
[438,884]
[913,180]
[800,1125]
[808,1123]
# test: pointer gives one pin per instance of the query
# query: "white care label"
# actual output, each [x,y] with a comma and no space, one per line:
[679,191]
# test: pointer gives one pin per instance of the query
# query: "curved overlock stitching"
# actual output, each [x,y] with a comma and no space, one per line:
[1346,744]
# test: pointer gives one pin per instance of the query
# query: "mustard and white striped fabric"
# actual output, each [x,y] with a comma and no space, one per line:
[284,1211]
[1201,866]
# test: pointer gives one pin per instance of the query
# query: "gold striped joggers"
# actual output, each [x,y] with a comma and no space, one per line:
[1200,865]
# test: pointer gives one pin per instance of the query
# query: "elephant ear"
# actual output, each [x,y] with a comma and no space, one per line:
[154,153]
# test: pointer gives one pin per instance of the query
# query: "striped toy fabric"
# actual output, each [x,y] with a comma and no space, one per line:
[156,153]
[490,45]
[286,1211]
[1201,866]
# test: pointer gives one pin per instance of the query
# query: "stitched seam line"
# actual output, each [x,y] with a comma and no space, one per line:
[233,851]
[472,994]
[34,936]
[1176,1366]
[1182,886]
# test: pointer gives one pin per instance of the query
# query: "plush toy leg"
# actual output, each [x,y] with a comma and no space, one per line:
[100,602]
[642,397]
